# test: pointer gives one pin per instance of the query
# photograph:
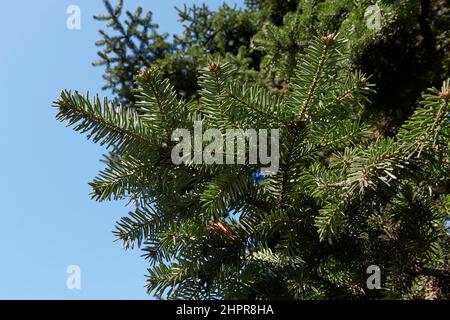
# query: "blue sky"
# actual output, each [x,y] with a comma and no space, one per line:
[48,221]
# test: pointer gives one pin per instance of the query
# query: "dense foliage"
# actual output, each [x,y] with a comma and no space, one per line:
[364,148]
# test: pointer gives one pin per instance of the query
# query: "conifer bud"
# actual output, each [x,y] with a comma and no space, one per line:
[214,66]
[445,94]
[142,73]
[362,81]
[328,39]
[219,229]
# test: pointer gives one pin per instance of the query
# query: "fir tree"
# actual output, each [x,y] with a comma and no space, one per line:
[265,40]
[137,44]
[344,197]
[134,43]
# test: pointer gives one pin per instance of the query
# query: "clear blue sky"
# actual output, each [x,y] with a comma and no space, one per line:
[47,220]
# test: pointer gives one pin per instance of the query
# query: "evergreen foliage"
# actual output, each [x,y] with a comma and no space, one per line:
[266,39]
[346,195]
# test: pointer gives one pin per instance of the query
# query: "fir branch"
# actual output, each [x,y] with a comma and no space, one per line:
[138,227]
[158,101]
[121,177]
[107,124]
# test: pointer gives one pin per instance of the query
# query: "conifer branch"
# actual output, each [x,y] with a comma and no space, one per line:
[105,123]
